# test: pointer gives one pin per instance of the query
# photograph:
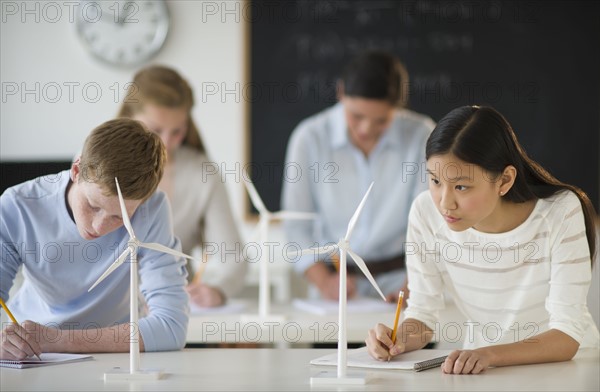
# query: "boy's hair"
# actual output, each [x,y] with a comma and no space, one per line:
[125,149]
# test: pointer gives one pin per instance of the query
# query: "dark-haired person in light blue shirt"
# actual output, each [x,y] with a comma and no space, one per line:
[369,135]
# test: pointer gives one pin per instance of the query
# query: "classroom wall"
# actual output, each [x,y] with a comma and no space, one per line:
[76,92]
[54,92]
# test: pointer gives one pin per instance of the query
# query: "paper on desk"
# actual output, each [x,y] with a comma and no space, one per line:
[355,305]
[230,307]
[360,358]
[46,359]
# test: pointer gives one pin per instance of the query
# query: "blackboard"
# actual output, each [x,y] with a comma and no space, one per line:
[537,62]
[13,173]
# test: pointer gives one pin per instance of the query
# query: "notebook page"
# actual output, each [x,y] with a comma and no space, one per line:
[46,359]
[360,358]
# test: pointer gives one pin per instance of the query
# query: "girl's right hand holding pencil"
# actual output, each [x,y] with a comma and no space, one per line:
[412,335]
[389,341]
[380,345]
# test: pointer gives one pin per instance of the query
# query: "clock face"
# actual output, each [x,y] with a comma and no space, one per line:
[123,33]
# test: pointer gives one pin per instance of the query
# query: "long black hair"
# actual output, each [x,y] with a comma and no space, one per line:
[482,136]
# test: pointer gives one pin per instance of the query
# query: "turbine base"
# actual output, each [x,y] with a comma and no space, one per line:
[331,378]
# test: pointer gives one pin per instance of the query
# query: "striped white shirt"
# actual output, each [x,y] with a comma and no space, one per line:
[510,286]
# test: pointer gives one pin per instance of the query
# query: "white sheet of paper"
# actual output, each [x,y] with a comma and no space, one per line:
[355,305]
[231,307]
[360,358]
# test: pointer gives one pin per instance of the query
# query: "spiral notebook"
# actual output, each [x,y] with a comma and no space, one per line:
[46,359]
[415,360]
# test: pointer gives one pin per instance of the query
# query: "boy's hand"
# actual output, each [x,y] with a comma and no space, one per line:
[380,345]
[18,342]
[466,362]
[204,295]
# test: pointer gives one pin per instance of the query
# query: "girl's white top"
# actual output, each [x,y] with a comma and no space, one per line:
[510,286]
[202,216]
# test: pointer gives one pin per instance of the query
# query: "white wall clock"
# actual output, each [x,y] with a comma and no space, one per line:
[123,33]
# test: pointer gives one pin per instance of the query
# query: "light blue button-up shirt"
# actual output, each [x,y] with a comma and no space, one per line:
[331,175]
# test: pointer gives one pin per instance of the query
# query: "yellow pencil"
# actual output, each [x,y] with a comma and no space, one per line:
[336,261]
[200,271]
[397,318]
[13,319]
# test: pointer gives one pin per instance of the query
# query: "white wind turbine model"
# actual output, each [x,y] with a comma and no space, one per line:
[134,346]
[343,246]
[265,217]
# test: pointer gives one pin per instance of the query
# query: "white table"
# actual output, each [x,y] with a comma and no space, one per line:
[301,327]
[297,327]
[286,370]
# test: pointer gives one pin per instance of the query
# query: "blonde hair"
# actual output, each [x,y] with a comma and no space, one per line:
[162,86]
[125,149]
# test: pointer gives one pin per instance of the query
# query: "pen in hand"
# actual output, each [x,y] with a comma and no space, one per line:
[198,275]
[396,318]
[14,320]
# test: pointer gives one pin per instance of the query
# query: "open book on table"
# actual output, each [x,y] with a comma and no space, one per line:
[415,360]
[46,359]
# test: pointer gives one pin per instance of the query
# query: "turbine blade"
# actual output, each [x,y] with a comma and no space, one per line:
[363,267]
[294,215]
[354,219]
[126,220]
[112,267]
[164,249]
[255,197]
